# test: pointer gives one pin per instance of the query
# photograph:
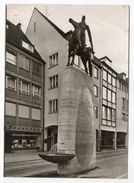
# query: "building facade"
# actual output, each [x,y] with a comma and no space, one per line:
[24,92]
[52,45]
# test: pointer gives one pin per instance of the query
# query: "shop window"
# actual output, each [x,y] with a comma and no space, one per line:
[96,91]
[53,81]
[10,109]
[24,87]
[36,69]
[53,60]
[11,58]
[53,106]
[10,83]
[36,91]
[36,114]
[23,111]
[24,62]
[95,72]
[24,142]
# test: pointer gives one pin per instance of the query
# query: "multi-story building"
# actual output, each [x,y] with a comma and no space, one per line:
[52,45]
[24,92]
[122,108]
[109,105]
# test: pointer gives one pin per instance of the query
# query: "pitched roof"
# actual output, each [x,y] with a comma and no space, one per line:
[55,27]
[14,36]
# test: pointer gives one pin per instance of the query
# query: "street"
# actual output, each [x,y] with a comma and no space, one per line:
[110,164]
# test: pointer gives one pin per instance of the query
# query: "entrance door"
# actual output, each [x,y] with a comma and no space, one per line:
[8,141]
[121,139]
[51,137]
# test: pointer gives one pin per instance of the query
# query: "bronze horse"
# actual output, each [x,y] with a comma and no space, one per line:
[85,54]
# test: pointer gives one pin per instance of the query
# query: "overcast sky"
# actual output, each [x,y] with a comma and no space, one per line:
[109,25]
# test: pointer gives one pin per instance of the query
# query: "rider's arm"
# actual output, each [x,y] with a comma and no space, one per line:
[90,37]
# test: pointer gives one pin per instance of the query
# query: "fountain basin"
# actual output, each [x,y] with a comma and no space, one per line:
[58,158]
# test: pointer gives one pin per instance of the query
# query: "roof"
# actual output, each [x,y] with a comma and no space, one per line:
[14,36]
[120,77]
[51,23]
[97,62]
[104,63]
[105,57]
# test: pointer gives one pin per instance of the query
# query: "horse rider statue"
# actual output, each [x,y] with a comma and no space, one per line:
[77,43]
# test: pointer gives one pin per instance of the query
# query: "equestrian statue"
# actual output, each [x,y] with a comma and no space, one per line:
[77,45]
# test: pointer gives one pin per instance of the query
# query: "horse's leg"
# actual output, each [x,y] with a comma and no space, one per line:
[85,68]
[90,67]
[74,53]
[69,56]
[73,56]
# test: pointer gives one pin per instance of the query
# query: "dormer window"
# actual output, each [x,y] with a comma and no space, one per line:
[27,46]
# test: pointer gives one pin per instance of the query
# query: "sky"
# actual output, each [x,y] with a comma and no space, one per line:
[109,25]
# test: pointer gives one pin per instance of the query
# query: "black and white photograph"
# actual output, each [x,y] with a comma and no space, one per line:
[66,91]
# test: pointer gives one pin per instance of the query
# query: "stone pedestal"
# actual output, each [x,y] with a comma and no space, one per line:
[76,128]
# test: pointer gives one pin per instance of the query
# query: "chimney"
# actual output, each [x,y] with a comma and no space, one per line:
[19,25]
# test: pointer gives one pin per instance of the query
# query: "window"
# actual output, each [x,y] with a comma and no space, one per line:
[114,81]
[53,106]
[96,111]
[96,91]
[113,114]
[53,59]
[27,46]
[53,81]
[113,97]
[36,91]
[109,95]
[104,93]
[36,114]
[76,60]
[104,112]
[34,26]
[10,109]
[104,75]
[23,111]
[109,114]
[36,69]
[109,78]
[24,87]
[123,103]
[95,72]
[11,58]
[123,116]
[24,62]
[11,83]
